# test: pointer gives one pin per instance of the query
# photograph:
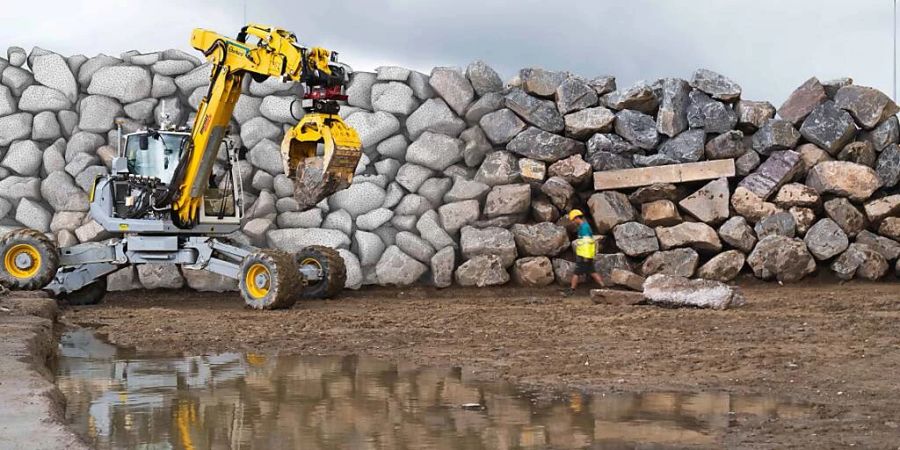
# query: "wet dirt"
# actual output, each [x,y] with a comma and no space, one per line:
[828,345]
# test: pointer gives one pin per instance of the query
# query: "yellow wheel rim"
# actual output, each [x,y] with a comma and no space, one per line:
[258,280]
[22,261]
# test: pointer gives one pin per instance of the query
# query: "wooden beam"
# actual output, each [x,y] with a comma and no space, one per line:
[673,173]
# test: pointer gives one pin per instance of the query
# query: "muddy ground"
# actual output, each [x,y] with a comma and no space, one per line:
[833,346]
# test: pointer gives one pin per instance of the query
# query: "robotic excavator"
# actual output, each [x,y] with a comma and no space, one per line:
[163,202]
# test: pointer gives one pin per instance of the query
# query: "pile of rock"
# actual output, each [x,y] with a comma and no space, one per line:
[466,178]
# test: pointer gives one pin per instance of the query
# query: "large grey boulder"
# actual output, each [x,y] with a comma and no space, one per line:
[413,205]
[339,220]
[442,264]
[559,192]
[14,188]
[499,167]
[501,126]
[753,115]
[802,101]
[52,71]
[540,113]
[464,189]
[575,94]
[359,90]
[825,239]
[886,133]
[637,128]
[430,229]
[357,199]
[258,129]
[797,194]
[373,128]
[890,227]
[37,98]
[881,208]
[434,189]
[888,248]
[829,127]
[538,144]
[17,79]
[31,214]
[434,115]
[711,115]
[860,260]
[160,276]
[294,239]
[435,151]
[635,239]
[844,178]
[481,271]
[586,122]
[716,85]
[412,176]
[141,110]
[781,223]
[14,127]
[368,246]
[124,83]
[7,101]
[751,206]
[574,169]
[680,262]
[680,291]
[723,267]
[98,113]
[507,199]
[847,216]
[610,208]
[888,166]
[697,235]
[396,268]
[489,103]
[24,158]
[414,246]
[273,107]
[639,97]
[710,203]
[311,218]
[781,167]
[660,213]
[92,65]
[475,146]
[171,67]
[686,147]
[783,258]
[453,87]
[868,106]
[16,56]
[256,229]
[540,82]
[488,241]
[60,191]
[533,271]
[738,234]
[541,239]
[456,215]
[726,145]
[483,78]
[672,116]
[206,281]
[266,155]
[393,97]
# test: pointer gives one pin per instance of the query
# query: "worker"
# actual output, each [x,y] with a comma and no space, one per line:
[585,249]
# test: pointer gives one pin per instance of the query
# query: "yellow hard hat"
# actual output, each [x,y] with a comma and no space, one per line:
[575,213]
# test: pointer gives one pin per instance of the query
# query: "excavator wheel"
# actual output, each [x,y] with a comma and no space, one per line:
[330,263]
[91,294]
[268,280]
[30,260]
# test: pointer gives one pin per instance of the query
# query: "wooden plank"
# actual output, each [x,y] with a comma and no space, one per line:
[673,173]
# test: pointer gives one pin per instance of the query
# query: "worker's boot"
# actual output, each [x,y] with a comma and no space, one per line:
[567,292]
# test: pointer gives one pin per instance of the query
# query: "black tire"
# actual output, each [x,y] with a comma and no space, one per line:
[269,280]
[91,294]
[31,247]
[334,273]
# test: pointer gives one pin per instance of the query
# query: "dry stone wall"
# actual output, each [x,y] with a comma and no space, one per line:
[466,179]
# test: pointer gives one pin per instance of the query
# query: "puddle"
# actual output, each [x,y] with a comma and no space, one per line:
[120,398]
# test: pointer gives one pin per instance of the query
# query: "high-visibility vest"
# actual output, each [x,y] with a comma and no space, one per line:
[586,247]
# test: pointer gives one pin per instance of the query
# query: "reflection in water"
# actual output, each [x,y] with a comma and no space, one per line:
[123,399]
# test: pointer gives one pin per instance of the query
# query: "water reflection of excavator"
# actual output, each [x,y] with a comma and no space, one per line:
[164,203]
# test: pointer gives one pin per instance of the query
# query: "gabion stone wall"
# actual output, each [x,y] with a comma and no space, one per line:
[466,179]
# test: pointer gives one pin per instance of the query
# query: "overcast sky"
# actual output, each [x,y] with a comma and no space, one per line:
[768,46]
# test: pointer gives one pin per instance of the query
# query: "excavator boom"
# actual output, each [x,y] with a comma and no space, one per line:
[276,54]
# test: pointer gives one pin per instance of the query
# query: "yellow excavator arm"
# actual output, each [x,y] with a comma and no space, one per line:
[276,54]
